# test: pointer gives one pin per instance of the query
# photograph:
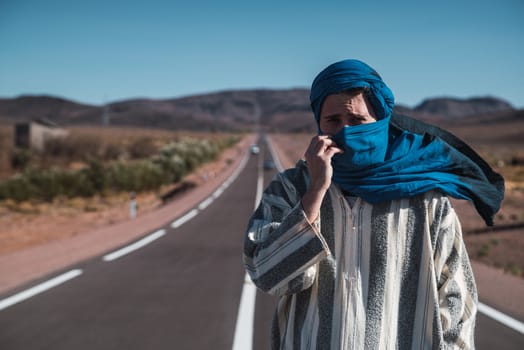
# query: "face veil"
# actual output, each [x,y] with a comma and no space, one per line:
[364,146]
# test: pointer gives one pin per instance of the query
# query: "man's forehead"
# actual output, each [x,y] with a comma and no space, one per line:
[344,104]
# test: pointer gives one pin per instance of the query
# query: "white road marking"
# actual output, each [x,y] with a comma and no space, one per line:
[260,189]
[205,203]
[243,339]
[246,311]
[134,246]
[276,160]
[218,192]
[40,288]
[502,318]
[185,218]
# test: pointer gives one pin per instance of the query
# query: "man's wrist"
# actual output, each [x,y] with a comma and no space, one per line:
[311,202]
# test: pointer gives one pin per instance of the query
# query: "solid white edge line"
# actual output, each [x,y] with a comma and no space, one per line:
[276,160]
[260,189]
[243,338]
[40,288]
[134,246]
[244,327]
[502,318]
[185,218]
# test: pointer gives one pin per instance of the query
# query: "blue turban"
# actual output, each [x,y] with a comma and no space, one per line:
[419,158]
[347,75]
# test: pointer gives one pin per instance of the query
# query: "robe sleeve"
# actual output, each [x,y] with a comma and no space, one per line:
[281,248]
[457,291]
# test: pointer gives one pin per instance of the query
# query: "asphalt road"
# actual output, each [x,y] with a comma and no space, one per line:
[181,291]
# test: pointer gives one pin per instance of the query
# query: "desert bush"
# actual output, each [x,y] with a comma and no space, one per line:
[193,151]
[111,151]
[142,147]
[17,188]
[483,251]
[46,185]
[77,184]
[170,165]
[173,165]
[96,174]
[137,176]
[79,147]
[56,147]
[21,158]
[514,269]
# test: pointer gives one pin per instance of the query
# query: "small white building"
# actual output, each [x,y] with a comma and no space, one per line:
[35,133]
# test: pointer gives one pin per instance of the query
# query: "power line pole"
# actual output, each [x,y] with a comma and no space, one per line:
[106,117]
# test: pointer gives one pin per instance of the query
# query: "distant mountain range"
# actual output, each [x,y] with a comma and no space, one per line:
[284,110]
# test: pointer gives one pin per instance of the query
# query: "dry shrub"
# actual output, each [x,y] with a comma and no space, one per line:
[142,147]
[168,166]
[71,148]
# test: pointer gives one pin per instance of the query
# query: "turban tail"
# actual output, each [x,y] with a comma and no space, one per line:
[420,157]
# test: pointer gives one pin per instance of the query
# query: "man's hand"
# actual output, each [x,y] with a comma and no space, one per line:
[318,157]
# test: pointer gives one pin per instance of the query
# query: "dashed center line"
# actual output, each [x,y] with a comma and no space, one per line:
[40,288]
[182,220]
[205,203]
[132,247]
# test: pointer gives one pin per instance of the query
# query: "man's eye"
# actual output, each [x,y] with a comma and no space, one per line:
[358,120]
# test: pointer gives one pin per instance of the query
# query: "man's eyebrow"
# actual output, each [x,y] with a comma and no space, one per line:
[334,115]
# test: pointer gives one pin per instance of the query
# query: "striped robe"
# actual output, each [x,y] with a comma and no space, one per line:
[393,275]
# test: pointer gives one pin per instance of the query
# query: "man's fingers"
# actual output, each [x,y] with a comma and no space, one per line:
[331,151]
[324,143]
[322,146]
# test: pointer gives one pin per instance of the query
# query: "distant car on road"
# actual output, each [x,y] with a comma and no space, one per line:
[269,164]
[254,149]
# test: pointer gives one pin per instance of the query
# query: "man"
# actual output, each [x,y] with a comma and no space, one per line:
[360,241]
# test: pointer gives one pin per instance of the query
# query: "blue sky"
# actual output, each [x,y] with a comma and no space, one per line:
[100,51]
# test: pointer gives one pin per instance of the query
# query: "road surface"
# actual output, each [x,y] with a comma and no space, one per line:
[177,288]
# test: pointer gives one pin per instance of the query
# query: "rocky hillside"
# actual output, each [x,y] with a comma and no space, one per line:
[286,110]
[53,108]
[459,108]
